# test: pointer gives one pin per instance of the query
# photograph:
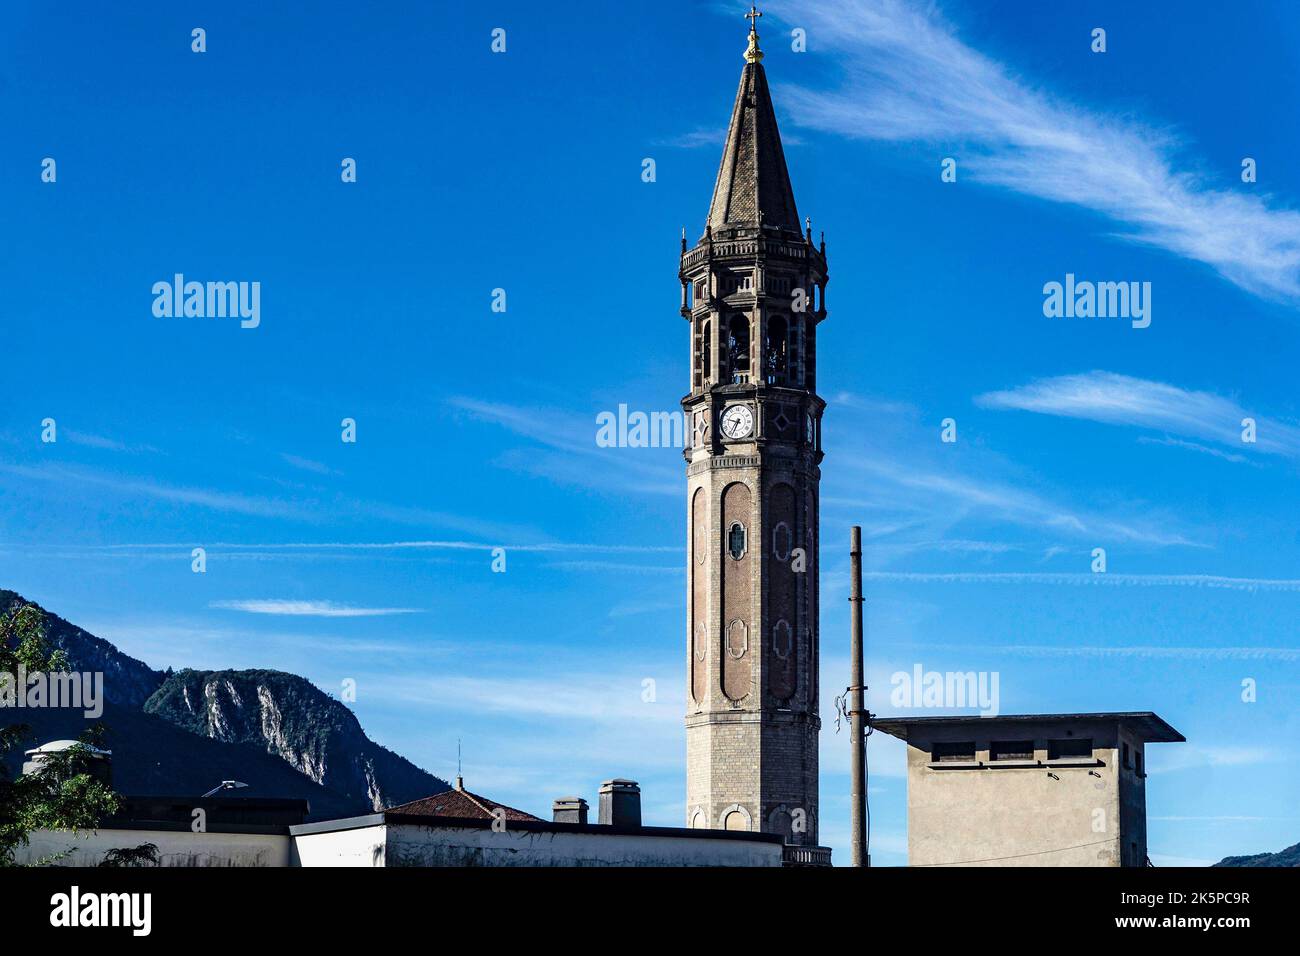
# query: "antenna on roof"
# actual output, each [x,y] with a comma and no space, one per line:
[460,781]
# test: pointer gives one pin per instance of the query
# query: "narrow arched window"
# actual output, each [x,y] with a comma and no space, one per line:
[776,351]
[792,363]
[810,356]
[738,349]
[708,352]
[736,540]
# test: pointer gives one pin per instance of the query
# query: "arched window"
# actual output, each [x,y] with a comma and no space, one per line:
[796,328]
[738,349]
[776,354]
[708,352]
[736,544]
[810,356]
[735,817]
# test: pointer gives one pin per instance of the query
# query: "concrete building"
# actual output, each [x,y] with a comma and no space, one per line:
[1034,790]
[753,294]
[397,839]
[187,832]
[455,828]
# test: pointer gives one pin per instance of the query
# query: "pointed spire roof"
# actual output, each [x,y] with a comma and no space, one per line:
[753,177]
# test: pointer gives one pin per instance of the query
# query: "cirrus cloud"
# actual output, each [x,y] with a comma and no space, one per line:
[908,77]
[291,608]
[1116,399]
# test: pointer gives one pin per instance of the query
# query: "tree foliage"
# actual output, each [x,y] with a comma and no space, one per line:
[63,794]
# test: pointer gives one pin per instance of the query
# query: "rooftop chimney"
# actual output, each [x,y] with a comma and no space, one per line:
[569,810]
[620,803]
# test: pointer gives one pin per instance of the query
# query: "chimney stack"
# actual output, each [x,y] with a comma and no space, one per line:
[620,803]
[569,810]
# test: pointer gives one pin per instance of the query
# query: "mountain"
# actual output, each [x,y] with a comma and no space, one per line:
[182,733]
[127,681]
[293,719]
[1288,857]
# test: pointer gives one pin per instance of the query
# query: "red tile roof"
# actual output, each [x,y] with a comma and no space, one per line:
[461,804]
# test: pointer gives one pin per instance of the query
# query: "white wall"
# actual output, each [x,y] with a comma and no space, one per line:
[413,845]
[405,845]
[174,848]
[363,846]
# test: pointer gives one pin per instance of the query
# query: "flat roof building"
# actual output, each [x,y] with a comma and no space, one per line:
[1028,790]
[454,828]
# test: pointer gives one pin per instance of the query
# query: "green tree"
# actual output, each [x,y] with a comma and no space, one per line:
[62,794]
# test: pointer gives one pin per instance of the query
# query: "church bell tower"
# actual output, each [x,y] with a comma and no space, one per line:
[753,292]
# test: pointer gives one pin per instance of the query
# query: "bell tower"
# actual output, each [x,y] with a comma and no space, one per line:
[753,290]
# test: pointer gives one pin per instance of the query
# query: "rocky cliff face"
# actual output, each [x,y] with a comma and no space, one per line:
[292,719]
[182,733]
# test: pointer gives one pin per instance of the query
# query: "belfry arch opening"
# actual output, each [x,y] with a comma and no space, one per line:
[707,352]
[776,351]
[738,349]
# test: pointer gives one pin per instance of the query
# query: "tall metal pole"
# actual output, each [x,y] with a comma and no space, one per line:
[856,706]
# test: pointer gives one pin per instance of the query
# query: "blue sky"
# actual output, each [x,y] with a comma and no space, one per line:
[475,428]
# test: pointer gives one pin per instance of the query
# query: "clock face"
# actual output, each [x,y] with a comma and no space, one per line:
[737,421]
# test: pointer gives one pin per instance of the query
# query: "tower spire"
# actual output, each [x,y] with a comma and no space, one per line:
[753,174]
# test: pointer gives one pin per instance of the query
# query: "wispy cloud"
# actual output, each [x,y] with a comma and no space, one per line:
[1137,652]
[149,488]
[171,641]
[695,138]
[1192,756]
[1007,502]
[307,464]
[1218,819]
[1199,449]
[310,510]
[1123,400]
[1212,581]
[909,77]
[570,454]
[587,698]
[423,545]
[308,608]
[93,441]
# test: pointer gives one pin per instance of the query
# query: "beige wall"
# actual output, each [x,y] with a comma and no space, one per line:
[1054,813]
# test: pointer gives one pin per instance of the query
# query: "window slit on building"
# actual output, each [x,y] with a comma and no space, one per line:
[962,751]
[1073,748]
[1011,750]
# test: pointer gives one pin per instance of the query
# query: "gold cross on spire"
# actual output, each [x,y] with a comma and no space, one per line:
[753,54]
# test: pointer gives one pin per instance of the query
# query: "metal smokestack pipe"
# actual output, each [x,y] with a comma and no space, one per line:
[856,706]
